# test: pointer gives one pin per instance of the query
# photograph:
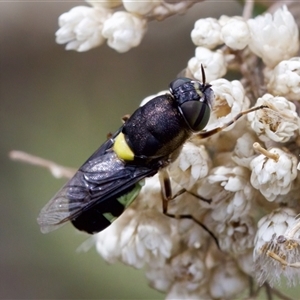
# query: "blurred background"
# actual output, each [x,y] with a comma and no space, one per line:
[60,105]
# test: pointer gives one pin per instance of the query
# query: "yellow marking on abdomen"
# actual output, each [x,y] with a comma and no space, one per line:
[122,149]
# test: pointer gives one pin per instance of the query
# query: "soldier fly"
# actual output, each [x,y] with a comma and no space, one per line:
[148,141]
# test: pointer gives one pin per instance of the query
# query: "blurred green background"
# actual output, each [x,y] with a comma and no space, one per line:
[60,105]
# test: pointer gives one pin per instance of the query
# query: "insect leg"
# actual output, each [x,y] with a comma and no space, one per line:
[209,133]
[125,118]
[166,191]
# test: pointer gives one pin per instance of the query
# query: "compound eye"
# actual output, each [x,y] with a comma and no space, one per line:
[196,114]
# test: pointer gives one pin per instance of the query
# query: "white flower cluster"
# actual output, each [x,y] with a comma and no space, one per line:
[232,178]
[246,172]
[84,28]
[87,27]
[259,35]
[265,30]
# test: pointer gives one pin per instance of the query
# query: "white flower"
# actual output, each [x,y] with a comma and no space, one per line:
[186,267]
[235,33]
[136,238]
[214,63]
[237,235]
[285,79]
[192,164]
[206,33]
[184,275]
[270,227]
[230,99]
[273,175]
[279,122]
[104,3]
[140,7]
[243,151]
[227,281]
[160,277]
[189,266]
[81,28]
[192,235]
[124,31]
[274,38]
[230,192]
[224,19]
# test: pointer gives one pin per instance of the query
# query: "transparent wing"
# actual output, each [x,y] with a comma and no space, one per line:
[101,177]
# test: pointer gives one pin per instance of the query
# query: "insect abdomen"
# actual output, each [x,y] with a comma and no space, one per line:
[101,215]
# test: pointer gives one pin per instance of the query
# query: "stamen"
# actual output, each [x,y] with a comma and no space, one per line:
[257,147]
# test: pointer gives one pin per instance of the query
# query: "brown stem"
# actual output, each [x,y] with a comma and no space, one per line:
[57,171]
[248,9]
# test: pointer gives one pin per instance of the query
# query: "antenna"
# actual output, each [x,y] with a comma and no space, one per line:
[203,75]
